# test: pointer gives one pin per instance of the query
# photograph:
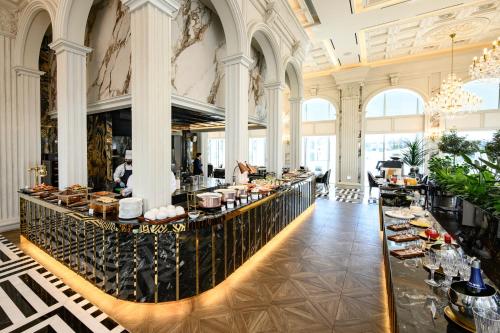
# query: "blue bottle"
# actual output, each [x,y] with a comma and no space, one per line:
[476,283]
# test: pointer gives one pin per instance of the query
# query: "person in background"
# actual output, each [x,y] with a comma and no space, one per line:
[127,191]
[123,171]
[197,165]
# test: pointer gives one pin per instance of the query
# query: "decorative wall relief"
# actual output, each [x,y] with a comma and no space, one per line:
[8,21]
[48,89]
[256,92]
[108,65]
[198,46]
[99,150]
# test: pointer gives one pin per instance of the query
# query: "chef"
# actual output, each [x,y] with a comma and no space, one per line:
[123,171]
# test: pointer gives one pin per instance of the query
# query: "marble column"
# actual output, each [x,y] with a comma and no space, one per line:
[274,141]
[295,131]
[236,130]
[349,136]
[71,111]
[151,99]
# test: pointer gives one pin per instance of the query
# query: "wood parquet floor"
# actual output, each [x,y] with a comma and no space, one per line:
[323,273]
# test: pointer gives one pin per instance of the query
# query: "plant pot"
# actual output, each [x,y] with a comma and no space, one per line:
[468,213]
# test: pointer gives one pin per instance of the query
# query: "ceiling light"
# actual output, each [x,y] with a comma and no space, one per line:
[487,67]
[452,98]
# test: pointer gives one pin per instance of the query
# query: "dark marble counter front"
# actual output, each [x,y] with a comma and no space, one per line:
[410,298]
[149,263]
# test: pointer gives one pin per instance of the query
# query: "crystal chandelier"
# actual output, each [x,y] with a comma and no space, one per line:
[452,98]
[487,67]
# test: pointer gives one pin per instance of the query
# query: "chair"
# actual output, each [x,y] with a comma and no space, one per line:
[372,183]
[325,182]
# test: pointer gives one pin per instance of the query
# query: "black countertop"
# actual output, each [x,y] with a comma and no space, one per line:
[412,297]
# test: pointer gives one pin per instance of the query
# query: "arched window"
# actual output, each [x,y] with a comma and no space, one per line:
[488,91]
[318,109]
[395,102]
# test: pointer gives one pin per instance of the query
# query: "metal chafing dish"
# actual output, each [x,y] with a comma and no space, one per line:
[209,199]
[227,193]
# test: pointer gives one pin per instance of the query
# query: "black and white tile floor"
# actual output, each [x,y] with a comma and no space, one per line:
[352,195]
[34,300]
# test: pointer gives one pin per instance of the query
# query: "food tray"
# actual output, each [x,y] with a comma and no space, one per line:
[421,224]
[163,221]
[407,254]
[95,195]
[104,208]
[69,199]
[399,227]
[403,238]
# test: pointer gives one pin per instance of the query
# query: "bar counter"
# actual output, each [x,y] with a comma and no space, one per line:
[149,263]
[410,297]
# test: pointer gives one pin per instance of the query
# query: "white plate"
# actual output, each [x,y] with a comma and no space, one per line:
[398,215]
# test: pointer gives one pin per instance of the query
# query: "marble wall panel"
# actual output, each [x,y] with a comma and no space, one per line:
[198,45]
[108,65]
[256,92]
[48,91]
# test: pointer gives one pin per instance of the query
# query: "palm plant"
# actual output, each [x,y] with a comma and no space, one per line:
[414,153]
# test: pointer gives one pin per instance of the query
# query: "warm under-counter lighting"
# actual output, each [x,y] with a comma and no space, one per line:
[131,314]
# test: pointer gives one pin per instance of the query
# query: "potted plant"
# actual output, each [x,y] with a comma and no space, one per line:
[453,144]
[414,155]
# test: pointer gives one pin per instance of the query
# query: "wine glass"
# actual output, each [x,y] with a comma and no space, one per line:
[450,269]
[432,263]
[464,268]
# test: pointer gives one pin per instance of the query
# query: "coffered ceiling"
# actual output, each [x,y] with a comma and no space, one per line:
[352,33]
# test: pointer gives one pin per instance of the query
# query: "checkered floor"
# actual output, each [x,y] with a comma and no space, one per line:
[34,300]
[352,195]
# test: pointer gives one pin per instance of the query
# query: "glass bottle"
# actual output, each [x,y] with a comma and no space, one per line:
[476,284]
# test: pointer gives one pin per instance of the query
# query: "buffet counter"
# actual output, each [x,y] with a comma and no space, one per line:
[410,298]
[143,262]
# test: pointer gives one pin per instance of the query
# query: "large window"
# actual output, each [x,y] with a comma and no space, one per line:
[318,109]
[395,102]
[216,152]
[319,153]
[381,147]
[488,91]
[257,151]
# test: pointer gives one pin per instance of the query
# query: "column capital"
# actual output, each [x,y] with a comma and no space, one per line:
[169,7]
[21,70]
[238,58]
[63,45]
[274,85]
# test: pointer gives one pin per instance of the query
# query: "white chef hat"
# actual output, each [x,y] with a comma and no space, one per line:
[128,154]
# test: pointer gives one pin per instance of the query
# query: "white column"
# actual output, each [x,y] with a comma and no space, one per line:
[350,117]
[295,132]
[28,121]
[236,131]
[274,141]
[11,176]
[71,112]
[151,101]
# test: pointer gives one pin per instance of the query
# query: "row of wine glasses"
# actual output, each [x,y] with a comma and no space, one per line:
[452,264]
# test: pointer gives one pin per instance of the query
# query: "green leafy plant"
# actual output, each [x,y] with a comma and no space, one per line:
[414,153]
[492,148]
[456,145]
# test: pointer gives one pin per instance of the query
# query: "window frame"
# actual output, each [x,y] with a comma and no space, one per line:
[332,109]
[419,110]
